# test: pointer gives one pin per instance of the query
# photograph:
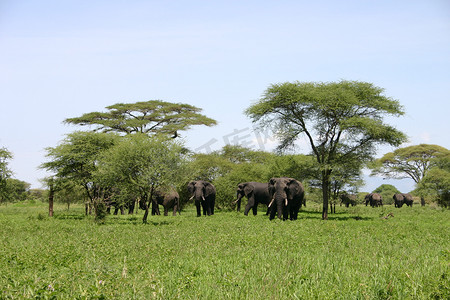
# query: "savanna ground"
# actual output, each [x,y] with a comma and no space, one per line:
[354,255]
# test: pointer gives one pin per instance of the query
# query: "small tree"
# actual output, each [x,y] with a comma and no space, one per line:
[5,172]
[148,117]
[437,181]
[16,190]
[342,121]
[138,165]
[76,159]
[409,162]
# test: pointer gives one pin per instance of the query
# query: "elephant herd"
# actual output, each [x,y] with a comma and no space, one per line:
[283,197]
[400,199]
[376,200]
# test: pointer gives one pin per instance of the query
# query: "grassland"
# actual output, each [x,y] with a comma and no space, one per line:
[356,254]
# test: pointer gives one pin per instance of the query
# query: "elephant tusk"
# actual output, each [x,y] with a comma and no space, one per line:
[234,202]
[270,204]
[203,197]
[286,202]
[191,198]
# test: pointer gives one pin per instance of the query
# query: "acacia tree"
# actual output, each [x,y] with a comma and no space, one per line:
[342,121]
[76,159]
[148,117]
[409,162]
[137,165]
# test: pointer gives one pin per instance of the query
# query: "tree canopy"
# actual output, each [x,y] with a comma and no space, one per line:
[409,162]
[342,121]
[76,158]
[147,117]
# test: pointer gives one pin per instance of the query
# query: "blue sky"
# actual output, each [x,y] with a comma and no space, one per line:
[60,59]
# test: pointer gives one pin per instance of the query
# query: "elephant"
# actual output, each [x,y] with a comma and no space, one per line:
[408,199]
[400,199]
[288,195]
[374,199]
[168,199]
[204,194]
[256,192]
[348,199]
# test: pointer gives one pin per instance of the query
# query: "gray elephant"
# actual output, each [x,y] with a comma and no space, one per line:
[204,194]
[401,198]
[256,192]
[348,199]
[288,195]
[408,200]
[168,199]
[374,199]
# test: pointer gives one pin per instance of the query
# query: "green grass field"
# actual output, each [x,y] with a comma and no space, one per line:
[354,255]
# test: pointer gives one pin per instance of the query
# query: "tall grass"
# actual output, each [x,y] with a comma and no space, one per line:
[356,254]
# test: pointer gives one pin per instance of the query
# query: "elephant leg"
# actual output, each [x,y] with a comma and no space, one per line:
[285,213]
[155,208]
[294,214]
[204,208]
[198,209]
[175,207]
[247,209]
[238,205]
[250,205]
[209,208]
[272,211]
[255,209]
[166,211]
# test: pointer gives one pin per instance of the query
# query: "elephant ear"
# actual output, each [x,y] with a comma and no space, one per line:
[248,189]
[294,185]
[191,187]
[271,186]
[209,188]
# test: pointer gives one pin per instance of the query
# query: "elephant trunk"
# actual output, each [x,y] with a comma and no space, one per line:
[238,198]
[280,209]
[238,201]
[282,203]
[198,195]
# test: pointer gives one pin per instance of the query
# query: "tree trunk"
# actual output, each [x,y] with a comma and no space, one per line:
[144,219]
[50,199]
[422,201]
[325,192]
[145,197]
